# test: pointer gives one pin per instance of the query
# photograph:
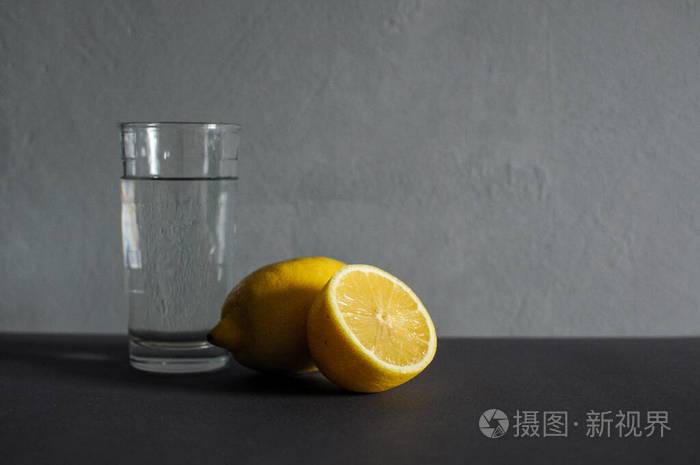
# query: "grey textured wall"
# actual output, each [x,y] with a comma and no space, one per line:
[529,167]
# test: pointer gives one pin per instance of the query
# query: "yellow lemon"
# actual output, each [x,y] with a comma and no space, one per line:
[368,331]
[263,320]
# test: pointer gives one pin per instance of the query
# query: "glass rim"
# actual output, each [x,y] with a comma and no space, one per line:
[182,124]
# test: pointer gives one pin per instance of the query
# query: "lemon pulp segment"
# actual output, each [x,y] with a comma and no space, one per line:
[386,319]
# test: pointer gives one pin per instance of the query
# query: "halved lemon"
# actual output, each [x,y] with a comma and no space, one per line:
[368,331]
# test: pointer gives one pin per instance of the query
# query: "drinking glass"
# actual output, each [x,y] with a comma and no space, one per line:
[177,194]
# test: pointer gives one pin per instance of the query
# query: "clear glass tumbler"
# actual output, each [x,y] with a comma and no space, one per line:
[177,193]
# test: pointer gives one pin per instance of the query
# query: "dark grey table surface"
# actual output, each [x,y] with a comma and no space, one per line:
[74,399]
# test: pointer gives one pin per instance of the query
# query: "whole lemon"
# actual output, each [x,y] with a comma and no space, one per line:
[263,320]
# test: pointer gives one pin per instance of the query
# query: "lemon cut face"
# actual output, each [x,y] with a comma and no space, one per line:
[384,315]
[368,331]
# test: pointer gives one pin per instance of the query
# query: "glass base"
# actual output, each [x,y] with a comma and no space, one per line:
[175,357]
